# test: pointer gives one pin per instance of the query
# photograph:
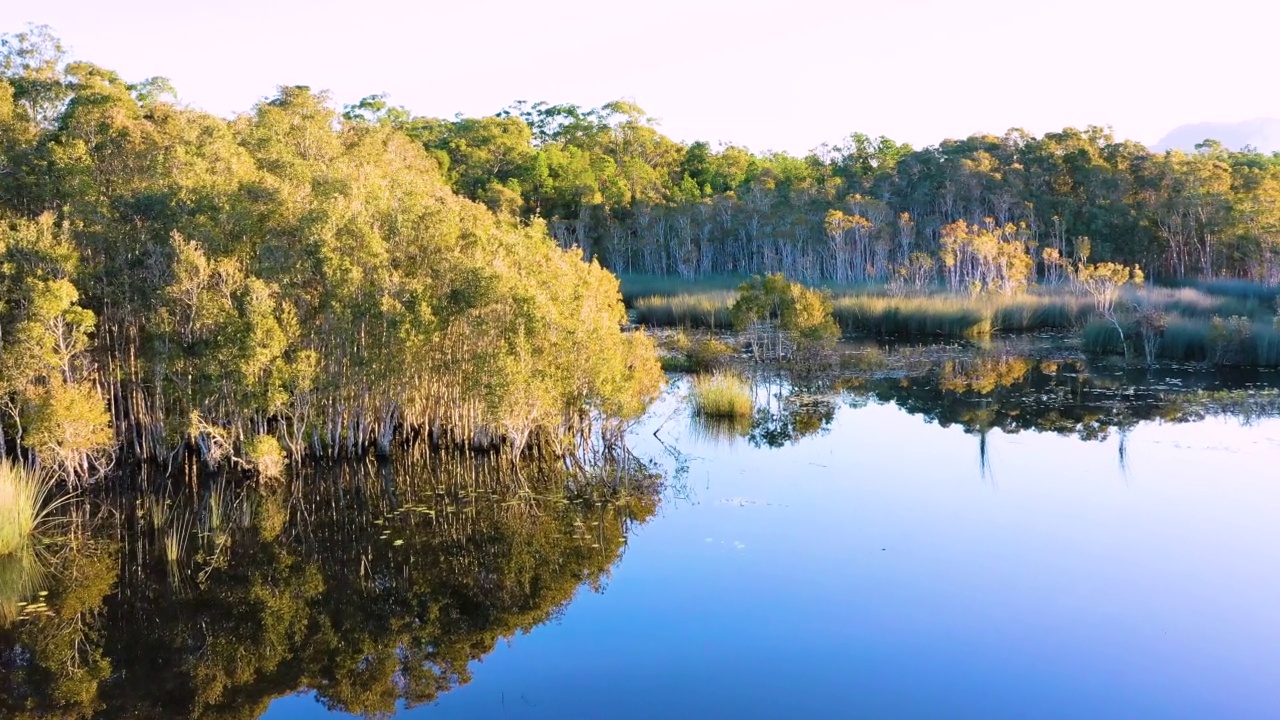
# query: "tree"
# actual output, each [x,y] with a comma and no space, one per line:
[31,61]
[1103,282]
[779,312]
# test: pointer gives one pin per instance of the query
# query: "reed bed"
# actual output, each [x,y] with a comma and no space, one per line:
[953,316]
[710,310]
[1249,289]
[1231,342]
[1199,303]
[1223,322]
[722,395]
[942,316]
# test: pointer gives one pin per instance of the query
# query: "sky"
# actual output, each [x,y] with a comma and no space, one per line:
[768,75]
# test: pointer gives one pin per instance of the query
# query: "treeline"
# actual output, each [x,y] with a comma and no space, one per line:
[287,282]
[609,182]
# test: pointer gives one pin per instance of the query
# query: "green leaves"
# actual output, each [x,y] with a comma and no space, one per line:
[297,275]
[790,306]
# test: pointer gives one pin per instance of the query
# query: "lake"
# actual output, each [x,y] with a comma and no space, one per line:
[990,535]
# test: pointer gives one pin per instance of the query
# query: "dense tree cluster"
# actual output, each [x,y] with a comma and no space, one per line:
[865,209]
[288,281]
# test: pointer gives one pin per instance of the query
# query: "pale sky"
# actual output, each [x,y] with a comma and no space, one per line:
[769,75]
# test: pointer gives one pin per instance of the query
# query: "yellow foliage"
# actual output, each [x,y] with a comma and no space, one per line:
[67,424]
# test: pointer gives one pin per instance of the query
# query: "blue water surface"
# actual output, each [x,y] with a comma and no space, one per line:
[884,569]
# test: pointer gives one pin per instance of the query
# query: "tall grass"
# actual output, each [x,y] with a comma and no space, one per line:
[24,505]
[702,310]
[1243,343]
[1198,303]
[1247,289]
[722,395]
[956,316]
[943,316]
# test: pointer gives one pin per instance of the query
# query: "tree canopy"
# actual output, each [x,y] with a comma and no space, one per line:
[176,280]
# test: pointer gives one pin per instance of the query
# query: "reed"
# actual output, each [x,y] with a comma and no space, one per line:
[943,316]
[24,505]
[722,395]
[1198,303]
[701,310]
[1233,342]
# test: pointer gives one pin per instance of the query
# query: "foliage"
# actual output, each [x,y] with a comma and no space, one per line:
[986,257]
[699,354]
[862,210]
[774,301]
[264,454]
[171,280]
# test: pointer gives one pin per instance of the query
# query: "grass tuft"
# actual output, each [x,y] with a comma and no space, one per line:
[722,395]
[24,505]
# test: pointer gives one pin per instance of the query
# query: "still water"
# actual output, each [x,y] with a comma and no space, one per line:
[1014,539]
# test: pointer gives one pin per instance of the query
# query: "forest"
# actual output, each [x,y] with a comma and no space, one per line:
[307,280]
[286,283]
[860,210]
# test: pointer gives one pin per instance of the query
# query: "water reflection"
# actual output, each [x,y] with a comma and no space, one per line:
[373,585]
[994,389]
[379,585]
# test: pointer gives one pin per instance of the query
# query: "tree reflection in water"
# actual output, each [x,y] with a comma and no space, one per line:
[370,584]
[996,390]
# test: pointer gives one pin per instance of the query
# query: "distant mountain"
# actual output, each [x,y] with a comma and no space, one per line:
[1263,134]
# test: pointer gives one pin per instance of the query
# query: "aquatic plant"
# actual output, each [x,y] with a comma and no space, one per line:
[696,354]
[710,310]
[941,316]
[721,395]
[1233,341]
[25,504]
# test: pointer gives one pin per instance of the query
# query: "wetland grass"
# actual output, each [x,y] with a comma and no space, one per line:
[24,505]
[709,310]
[1233,341]
[722,395]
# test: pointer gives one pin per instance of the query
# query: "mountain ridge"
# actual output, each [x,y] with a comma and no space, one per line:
[1262,134]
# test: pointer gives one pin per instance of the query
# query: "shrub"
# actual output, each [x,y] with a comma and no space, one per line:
[708,354]
[266,457]
[1231,340]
